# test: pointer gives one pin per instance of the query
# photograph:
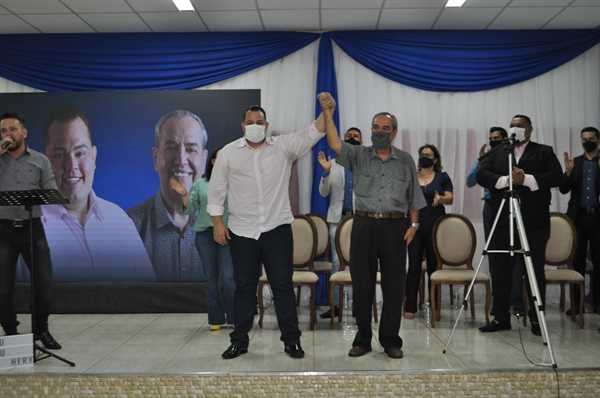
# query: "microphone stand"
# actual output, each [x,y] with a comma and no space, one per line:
[514,214]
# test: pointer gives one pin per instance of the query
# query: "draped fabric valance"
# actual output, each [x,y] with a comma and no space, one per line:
[464,60]
[140,61]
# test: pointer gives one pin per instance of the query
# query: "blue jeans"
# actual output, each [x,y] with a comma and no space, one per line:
[274,249]
[218,267]
[15,241]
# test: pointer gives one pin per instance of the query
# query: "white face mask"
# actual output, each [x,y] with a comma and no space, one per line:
[518,133]
[255,133]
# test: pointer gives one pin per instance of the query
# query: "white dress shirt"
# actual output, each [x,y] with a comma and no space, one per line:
[529,181]
[255,181]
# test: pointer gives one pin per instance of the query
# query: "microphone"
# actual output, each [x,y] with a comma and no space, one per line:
[6,144]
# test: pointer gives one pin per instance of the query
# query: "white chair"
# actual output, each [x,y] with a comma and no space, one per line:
[454,243]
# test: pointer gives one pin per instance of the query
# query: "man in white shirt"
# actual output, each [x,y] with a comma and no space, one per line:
[253,173]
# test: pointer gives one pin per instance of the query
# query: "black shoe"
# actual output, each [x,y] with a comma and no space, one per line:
[327,314]
[294,350]
[234,351]
[495,326]
[569,313]
[535,328]
[48,341]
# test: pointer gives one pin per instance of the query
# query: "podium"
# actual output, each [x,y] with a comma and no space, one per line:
[36,197]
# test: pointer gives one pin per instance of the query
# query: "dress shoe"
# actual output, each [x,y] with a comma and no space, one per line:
[47,340]
[234,351]
[394,352]
[569,312]
[495,326]
[327,314]
[358,351]
[535,328]
[294,350]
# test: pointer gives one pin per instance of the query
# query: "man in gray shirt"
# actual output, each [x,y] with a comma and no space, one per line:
[386,188]
[23,169]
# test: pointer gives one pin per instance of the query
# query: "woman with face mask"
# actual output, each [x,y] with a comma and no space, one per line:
[437,189]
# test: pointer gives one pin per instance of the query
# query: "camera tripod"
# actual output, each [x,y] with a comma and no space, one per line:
[514,215]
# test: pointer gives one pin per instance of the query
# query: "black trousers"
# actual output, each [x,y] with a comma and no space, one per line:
[502,269]
[15,241]
[588,230]
[376,241]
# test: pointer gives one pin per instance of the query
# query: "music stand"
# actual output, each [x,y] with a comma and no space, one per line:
[29,199]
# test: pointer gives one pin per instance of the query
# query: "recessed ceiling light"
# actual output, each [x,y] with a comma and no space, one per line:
[183,5]
[450,3]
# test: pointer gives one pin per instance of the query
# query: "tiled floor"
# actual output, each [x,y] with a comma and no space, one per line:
[183,344]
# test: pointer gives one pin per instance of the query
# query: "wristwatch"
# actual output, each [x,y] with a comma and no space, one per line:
[415,225]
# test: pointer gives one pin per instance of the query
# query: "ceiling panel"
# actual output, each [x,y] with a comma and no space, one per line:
[288,4]
[525,17]
[350,4]
[408,19]
[11,24]
[53,23]
[224,5]
[174,22]
[97,6]
[309,15]
[290,20]
[232,21]
[35,6]
[349,19]
[581,17]
[113,23]
[466,18]
[152,5]
[415,3]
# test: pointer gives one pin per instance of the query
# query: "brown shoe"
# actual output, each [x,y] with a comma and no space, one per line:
[358,351]
[394,352]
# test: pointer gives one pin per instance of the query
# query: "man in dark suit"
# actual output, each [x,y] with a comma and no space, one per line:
[582,179]
[535,170]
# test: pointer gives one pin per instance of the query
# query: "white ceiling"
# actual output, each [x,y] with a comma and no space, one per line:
[109,16]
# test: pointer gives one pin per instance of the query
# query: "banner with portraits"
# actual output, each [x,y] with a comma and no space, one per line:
[113,155]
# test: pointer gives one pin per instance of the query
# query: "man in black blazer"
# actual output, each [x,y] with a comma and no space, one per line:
[536,169]
[582,179]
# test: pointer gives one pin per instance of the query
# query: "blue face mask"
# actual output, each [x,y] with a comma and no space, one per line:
[381,140]
[425,162]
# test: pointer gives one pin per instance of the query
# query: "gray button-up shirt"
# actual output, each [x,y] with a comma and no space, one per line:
[384,186]
[29,171]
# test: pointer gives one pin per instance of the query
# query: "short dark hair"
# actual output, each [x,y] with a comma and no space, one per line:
[63,114]
[523,117]
[209,164]
[254,108]
[591,130]
[14,115]
[394,120]
[355,128]
[436,154]
[502,131]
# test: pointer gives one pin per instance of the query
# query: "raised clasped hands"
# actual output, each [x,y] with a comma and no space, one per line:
[326,101]
[324,161]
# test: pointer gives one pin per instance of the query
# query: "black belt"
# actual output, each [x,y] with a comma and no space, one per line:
[17,222]
[347,213]
[588,209]
[379,215]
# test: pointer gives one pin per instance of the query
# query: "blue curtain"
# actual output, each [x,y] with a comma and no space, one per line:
[464,60]
[140,61]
